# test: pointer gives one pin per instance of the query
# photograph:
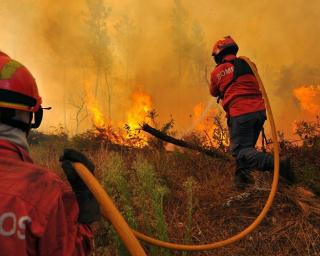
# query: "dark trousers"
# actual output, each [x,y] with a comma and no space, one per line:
[244,131]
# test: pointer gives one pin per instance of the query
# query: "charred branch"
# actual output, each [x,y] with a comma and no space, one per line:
[181,143]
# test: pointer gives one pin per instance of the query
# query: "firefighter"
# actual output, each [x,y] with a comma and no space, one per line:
[39,213]
[233,82]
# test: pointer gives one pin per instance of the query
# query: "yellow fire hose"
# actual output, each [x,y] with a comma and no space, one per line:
[129,236]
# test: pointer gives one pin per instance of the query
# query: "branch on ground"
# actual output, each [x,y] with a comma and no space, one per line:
[181,143]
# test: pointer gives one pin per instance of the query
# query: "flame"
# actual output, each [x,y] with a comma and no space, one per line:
[203,121]
[309,98]
[94,107]
[141,106]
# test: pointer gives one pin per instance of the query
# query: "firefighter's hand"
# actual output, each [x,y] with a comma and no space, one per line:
[71,156]
[88,206]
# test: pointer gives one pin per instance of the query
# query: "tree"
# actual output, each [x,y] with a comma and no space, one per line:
[126,37]
[181,40]
[181,45]
[100,44]
[199,54]
[81,112]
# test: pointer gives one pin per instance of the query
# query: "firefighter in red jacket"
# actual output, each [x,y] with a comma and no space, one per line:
[234,83]
[39,213]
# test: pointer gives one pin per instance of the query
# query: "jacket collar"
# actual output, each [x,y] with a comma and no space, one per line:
[13,151]
[228,58]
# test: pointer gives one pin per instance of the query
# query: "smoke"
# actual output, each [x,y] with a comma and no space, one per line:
[288,107]
[159,47]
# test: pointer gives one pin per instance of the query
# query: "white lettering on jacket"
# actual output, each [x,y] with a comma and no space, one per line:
[10,217]
[224,72]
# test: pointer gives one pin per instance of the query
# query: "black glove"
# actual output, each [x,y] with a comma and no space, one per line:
[88,206]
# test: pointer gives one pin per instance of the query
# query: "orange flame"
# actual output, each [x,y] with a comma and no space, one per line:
[141,105]
[203,121]
[309,98]
[137,114]
[206,120]
[93,106]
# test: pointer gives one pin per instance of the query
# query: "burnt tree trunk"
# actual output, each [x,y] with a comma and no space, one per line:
[162,136]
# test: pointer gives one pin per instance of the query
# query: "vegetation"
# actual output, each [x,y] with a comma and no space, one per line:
[187,197]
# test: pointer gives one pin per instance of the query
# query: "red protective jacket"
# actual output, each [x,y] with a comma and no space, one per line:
[38,211]
[243,96]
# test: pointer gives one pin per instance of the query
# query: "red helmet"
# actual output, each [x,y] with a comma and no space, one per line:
[222,45]
[18,91]
[18,88]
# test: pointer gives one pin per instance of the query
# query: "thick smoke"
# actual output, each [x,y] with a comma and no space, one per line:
[160,47]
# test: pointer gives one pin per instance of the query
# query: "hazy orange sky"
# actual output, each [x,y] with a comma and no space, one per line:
[52,39]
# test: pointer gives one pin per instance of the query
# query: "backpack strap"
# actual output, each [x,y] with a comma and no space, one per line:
[240,68]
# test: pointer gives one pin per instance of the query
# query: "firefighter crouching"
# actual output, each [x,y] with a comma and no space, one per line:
[39,213]
[233,82]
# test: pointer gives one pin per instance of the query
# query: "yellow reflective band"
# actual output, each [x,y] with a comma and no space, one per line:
[13,105]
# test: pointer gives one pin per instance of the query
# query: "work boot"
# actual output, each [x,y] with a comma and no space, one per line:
[286,170]
[243,178]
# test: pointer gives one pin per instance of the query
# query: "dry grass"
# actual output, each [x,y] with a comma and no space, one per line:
[292,227]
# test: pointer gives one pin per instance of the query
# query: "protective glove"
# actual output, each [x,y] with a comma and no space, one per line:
[88,206]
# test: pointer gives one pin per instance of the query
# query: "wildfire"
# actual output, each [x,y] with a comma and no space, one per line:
[93,106]
[207,120]
[138,109]
[309,98]
[141,105]
[203,119]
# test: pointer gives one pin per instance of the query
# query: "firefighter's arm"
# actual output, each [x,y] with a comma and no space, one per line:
[68,231]
[64,235]
[213,87]
[88,205]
